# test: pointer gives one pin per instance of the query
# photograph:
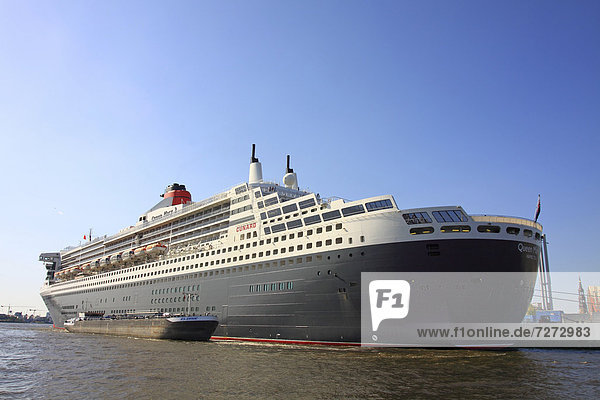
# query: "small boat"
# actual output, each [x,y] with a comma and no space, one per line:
[115,259]
[139,251]
[156,249]
[127,255]
[198,328]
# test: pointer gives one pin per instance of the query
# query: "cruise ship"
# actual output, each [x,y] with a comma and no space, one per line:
[277,263]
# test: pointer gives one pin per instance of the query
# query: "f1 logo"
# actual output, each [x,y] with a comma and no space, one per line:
[389,300]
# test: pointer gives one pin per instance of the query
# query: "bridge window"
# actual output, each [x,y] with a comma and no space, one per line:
[417,218]
[450,216]
[378,205]
[353,210]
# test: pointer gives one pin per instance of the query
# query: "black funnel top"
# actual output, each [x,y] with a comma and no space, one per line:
[252,158]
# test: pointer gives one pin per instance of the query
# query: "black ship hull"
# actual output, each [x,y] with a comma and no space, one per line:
[317,297]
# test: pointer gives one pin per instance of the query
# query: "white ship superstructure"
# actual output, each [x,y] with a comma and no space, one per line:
[276,262]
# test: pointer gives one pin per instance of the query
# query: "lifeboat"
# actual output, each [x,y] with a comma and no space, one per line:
[127,255]
[139,251]
[85,266]
[104,261]
[70,272]
[95,264]
[115,259]
[156,249]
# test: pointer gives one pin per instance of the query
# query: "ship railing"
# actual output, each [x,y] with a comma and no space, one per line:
[507,220]
[184,209]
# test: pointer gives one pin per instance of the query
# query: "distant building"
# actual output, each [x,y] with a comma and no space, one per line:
[594,299]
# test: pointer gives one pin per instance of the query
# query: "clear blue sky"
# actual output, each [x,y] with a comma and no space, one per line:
[479,104]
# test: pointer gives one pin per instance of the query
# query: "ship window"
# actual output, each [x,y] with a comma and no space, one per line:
[537,236]
[449,216]
[283,238]
[294,224]
[309,245]
[257,194]
[306,203]
[300,234]
[328,242]
[456,228]
[275,240]
[275,251]
[527,232]
[328,216]
[268,253]
[338,240]
[309,259]
[328,228]
[309,232]
[378,205]
[263,215]
[270,201]
[313,219]
[274,212]
[511,230]
[291,236]
[353,210]
[420,231]
[417,218]
[282,250]
[319,243]
[290,208]
[278,228]
[488,229]
[299,247]
[319,230]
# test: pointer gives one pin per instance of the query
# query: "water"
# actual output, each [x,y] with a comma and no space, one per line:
[39,362]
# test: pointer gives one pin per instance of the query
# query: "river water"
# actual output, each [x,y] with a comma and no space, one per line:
[40,362]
